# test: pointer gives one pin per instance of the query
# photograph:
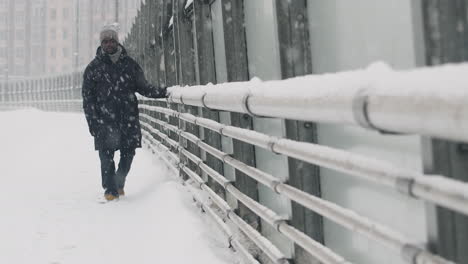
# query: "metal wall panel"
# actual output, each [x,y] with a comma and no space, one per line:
[221,77]
[230,19]
[446,38]
[264,63]
[352,34]
[218,39]
[347,35]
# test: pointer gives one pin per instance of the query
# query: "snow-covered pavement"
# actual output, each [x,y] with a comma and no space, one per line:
[50,187]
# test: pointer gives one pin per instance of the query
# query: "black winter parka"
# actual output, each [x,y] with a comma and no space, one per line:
[110,103]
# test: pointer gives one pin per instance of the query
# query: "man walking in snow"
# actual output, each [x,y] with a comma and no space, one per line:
[110,82]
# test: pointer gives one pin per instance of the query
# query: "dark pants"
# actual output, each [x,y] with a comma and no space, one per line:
[111,179]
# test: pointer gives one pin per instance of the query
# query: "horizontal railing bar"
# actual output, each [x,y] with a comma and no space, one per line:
[152,119]
[264,244]
[161,145]
[255,173]
[232,241]
[275,221]
[305,242]
[11,91]
[219,221]
[214,175]
[266,214]
[173,143]
[198,180]
[401,102]
[218,200]
[351,220]
[163,110]
[159,122]
[340,215]
[270,217]
[243,251]
[446,192]
[248,203]
[328,256]
[167,152]
[43,91]
[213,151]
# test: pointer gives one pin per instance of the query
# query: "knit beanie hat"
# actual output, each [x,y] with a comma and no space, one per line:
[109,31]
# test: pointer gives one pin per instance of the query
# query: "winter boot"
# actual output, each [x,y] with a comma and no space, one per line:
[121,192]
[111,195]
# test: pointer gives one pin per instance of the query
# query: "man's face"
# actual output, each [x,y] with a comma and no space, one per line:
[109,45]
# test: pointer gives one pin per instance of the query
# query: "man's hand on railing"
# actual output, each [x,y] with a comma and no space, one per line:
[168,91]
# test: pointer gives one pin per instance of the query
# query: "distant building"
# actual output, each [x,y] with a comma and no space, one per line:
[40,37]
[18,19]
[60,24]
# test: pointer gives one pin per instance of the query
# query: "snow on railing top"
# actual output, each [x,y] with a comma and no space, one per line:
[171,22]
[187,5]
[428,101]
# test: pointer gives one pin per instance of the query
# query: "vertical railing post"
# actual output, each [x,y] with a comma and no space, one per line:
[30,92]
[2,93]
[168,44]
[21,93]
[147,39]
[7,92]
[446,38]
[151,49]
[293,35]
[16,92]
[204,66]
[236,58]
[183,50]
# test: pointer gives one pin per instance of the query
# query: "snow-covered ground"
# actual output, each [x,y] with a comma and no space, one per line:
[50,187]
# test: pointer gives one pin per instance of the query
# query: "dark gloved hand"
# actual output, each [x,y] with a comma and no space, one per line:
[94,129]
[167,92]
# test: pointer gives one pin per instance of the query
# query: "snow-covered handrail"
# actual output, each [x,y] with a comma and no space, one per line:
[427,101]
[345,217]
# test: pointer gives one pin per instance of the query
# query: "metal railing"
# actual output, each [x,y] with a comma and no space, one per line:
[49,93]
[384,104]
[375,98]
